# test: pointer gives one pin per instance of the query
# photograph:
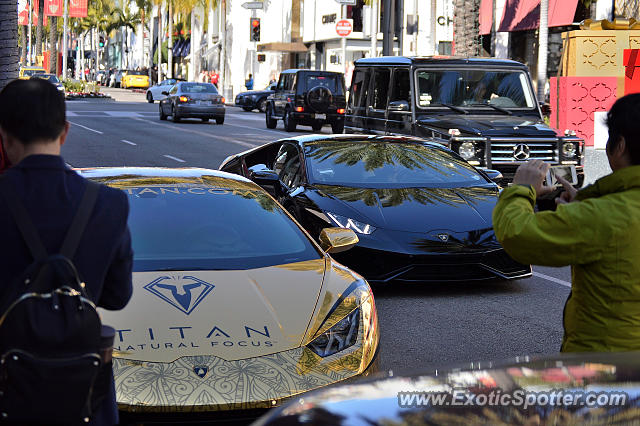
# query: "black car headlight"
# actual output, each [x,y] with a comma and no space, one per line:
[569,149]
[354,225]
[470,149]
[467,150]
[339,337]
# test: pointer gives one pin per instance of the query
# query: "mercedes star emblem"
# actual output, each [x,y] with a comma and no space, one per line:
[521,152]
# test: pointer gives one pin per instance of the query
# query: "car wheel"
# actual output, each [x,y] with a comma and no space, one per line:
[317,126]
[174,116]
[163,116]
[262,105]
[289,123]
[205,120]
[248,109]
[271,122]
[338,127]
[220,120]
[149,97]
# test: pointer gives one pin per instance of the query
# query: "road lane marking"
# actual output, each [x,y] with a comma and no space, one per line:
[196,132]
[175,158]
[129,142]
[87,128]
[552,279]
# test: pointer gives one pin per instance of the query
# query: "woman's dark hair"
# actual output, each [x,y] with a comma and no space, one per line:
[32,110]
[623,120]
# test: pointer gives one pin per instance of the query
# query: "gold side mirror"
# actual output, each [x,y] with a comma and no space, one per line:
[335,240]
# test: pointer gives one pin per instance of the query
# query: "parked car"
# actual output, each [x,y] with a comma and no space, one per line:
[136,79]
[51,78]
[234,306]
[310,98]
[116,79]
[568,389]
[27,72]
[154,93]
[484,109]
[421,212]
[192,100]
[255,99]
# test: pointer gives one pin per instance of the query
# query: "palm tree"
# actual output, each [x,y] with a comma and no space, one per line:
[53,43]
[126,20]
[466,27]
[9,55]
[39,27]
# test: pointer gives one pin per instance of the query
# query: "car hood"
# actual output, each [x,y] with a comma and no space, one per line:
[228,314]
[489,125]
[256,92]
[411,209]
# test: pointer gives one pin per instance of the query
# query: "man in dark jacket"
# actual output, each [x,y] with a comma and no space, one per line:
[33,127]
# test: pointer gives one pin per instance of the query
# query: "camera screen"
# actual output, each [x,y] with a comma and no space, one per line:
[565,172]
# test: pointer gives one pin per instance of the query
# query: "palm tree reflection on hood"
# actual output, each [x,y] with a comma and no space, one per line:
[389,197]
[376,155]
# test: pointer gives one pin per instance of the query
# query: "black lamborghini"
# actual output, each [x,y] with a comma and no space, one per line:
[421,212]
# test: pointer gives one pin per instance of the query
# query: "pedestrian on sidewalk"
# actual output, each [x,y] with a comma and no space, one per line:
[596,230]
[249,82]
[33,128]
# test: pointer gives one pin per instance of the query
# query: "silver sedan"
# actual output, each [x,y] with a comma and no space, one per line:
[192,100]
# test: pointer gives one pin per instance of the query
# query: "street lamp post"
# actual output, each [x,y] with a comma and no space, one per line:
[29,36]
[65,30]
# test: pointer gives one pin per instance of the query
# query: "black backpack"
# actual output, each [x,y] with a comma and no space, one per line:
[50,332]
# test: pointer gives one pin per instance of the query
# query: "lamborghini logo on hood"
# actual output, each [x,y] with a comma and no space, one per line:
[182,292]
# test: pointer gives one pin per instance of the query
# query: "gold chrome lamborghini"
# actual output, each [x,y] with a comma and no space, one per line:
[235,307]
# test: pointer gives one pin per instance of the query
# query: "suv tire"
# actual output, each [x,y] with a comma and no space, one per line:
[319,98]
[271,122]
[337,127]
[289,123]
[262,105]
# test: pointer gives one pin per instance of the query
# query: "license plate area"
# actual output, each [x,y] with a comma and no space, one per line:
[320,116]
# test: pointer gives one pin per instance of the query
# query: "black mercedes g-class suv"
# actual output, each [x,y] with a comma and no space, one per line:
[307,97]
[482,108]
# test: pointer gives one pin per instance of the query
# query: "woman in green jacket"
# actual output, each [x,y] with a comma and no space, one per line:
[595,230]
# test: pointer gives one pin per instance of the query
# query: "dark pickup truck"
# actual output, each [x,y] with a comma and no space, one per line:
[484,109]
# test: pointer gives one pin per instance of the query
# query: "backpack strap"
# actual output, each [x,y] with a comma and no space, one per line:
[21,216]
[72,239]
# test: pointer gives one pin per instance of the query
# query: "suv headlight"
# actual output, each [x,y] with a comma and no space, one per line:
[467,150]
[569,149]
[354,225]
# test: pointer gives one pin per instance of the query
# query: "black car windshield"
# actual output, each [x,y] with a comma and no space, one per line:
[198,88]
[321,80]
[387,164]
[136,72]
[28,72]
[473,88]
[193,227]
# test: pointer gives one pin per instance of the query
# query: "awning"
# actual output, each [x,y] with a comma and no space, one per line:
[519,15]
[283,47]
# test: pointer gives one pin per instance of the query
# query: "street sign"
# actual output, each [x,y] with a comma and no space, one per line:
[344,27]
[253,5]
[347,2]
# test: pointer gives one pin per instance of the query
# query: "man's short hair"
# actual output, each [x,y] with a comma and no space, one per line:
[623,120]
[32,110]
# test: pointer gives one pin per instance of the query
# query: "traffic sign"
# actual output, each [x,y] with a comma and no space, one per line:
[344,27]
[253,5]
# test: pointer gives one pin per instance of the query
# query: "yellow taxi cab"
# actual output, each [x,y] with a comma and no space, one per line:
[138,79]
[27,72]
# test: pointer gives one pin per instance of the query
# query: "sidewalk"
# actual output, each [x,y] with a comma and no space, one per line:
[124,95]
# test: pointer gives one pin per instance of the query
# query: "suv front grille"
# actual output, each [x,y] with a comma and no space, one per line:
[502,150]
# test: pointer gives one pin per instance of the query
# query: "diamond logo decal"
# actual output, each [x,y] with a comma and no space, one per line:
[200,370]
[182,292]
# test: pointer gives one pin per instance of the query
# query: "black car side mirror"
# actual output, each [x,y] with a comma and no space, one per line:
[398,106]
[492,174]
[267,179]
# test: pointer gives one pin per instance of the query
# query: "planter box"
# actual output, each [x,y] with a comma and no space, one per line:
[589,53]
[575,99]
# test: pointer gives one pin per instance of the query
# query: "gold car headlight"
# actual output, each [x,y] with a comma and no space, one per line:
[341,327]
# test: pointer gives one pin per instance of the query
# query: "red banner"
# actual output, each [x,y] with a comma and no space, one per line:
[53,7]
[23,15]
[78,8]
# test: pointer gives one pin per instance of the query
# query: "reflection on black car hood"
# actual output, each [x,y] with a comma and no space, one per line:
[377,402]
[412,209]
[489,125]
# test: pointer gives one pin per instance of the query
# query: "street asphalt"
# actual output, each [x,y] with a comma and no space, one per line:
[422,325]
